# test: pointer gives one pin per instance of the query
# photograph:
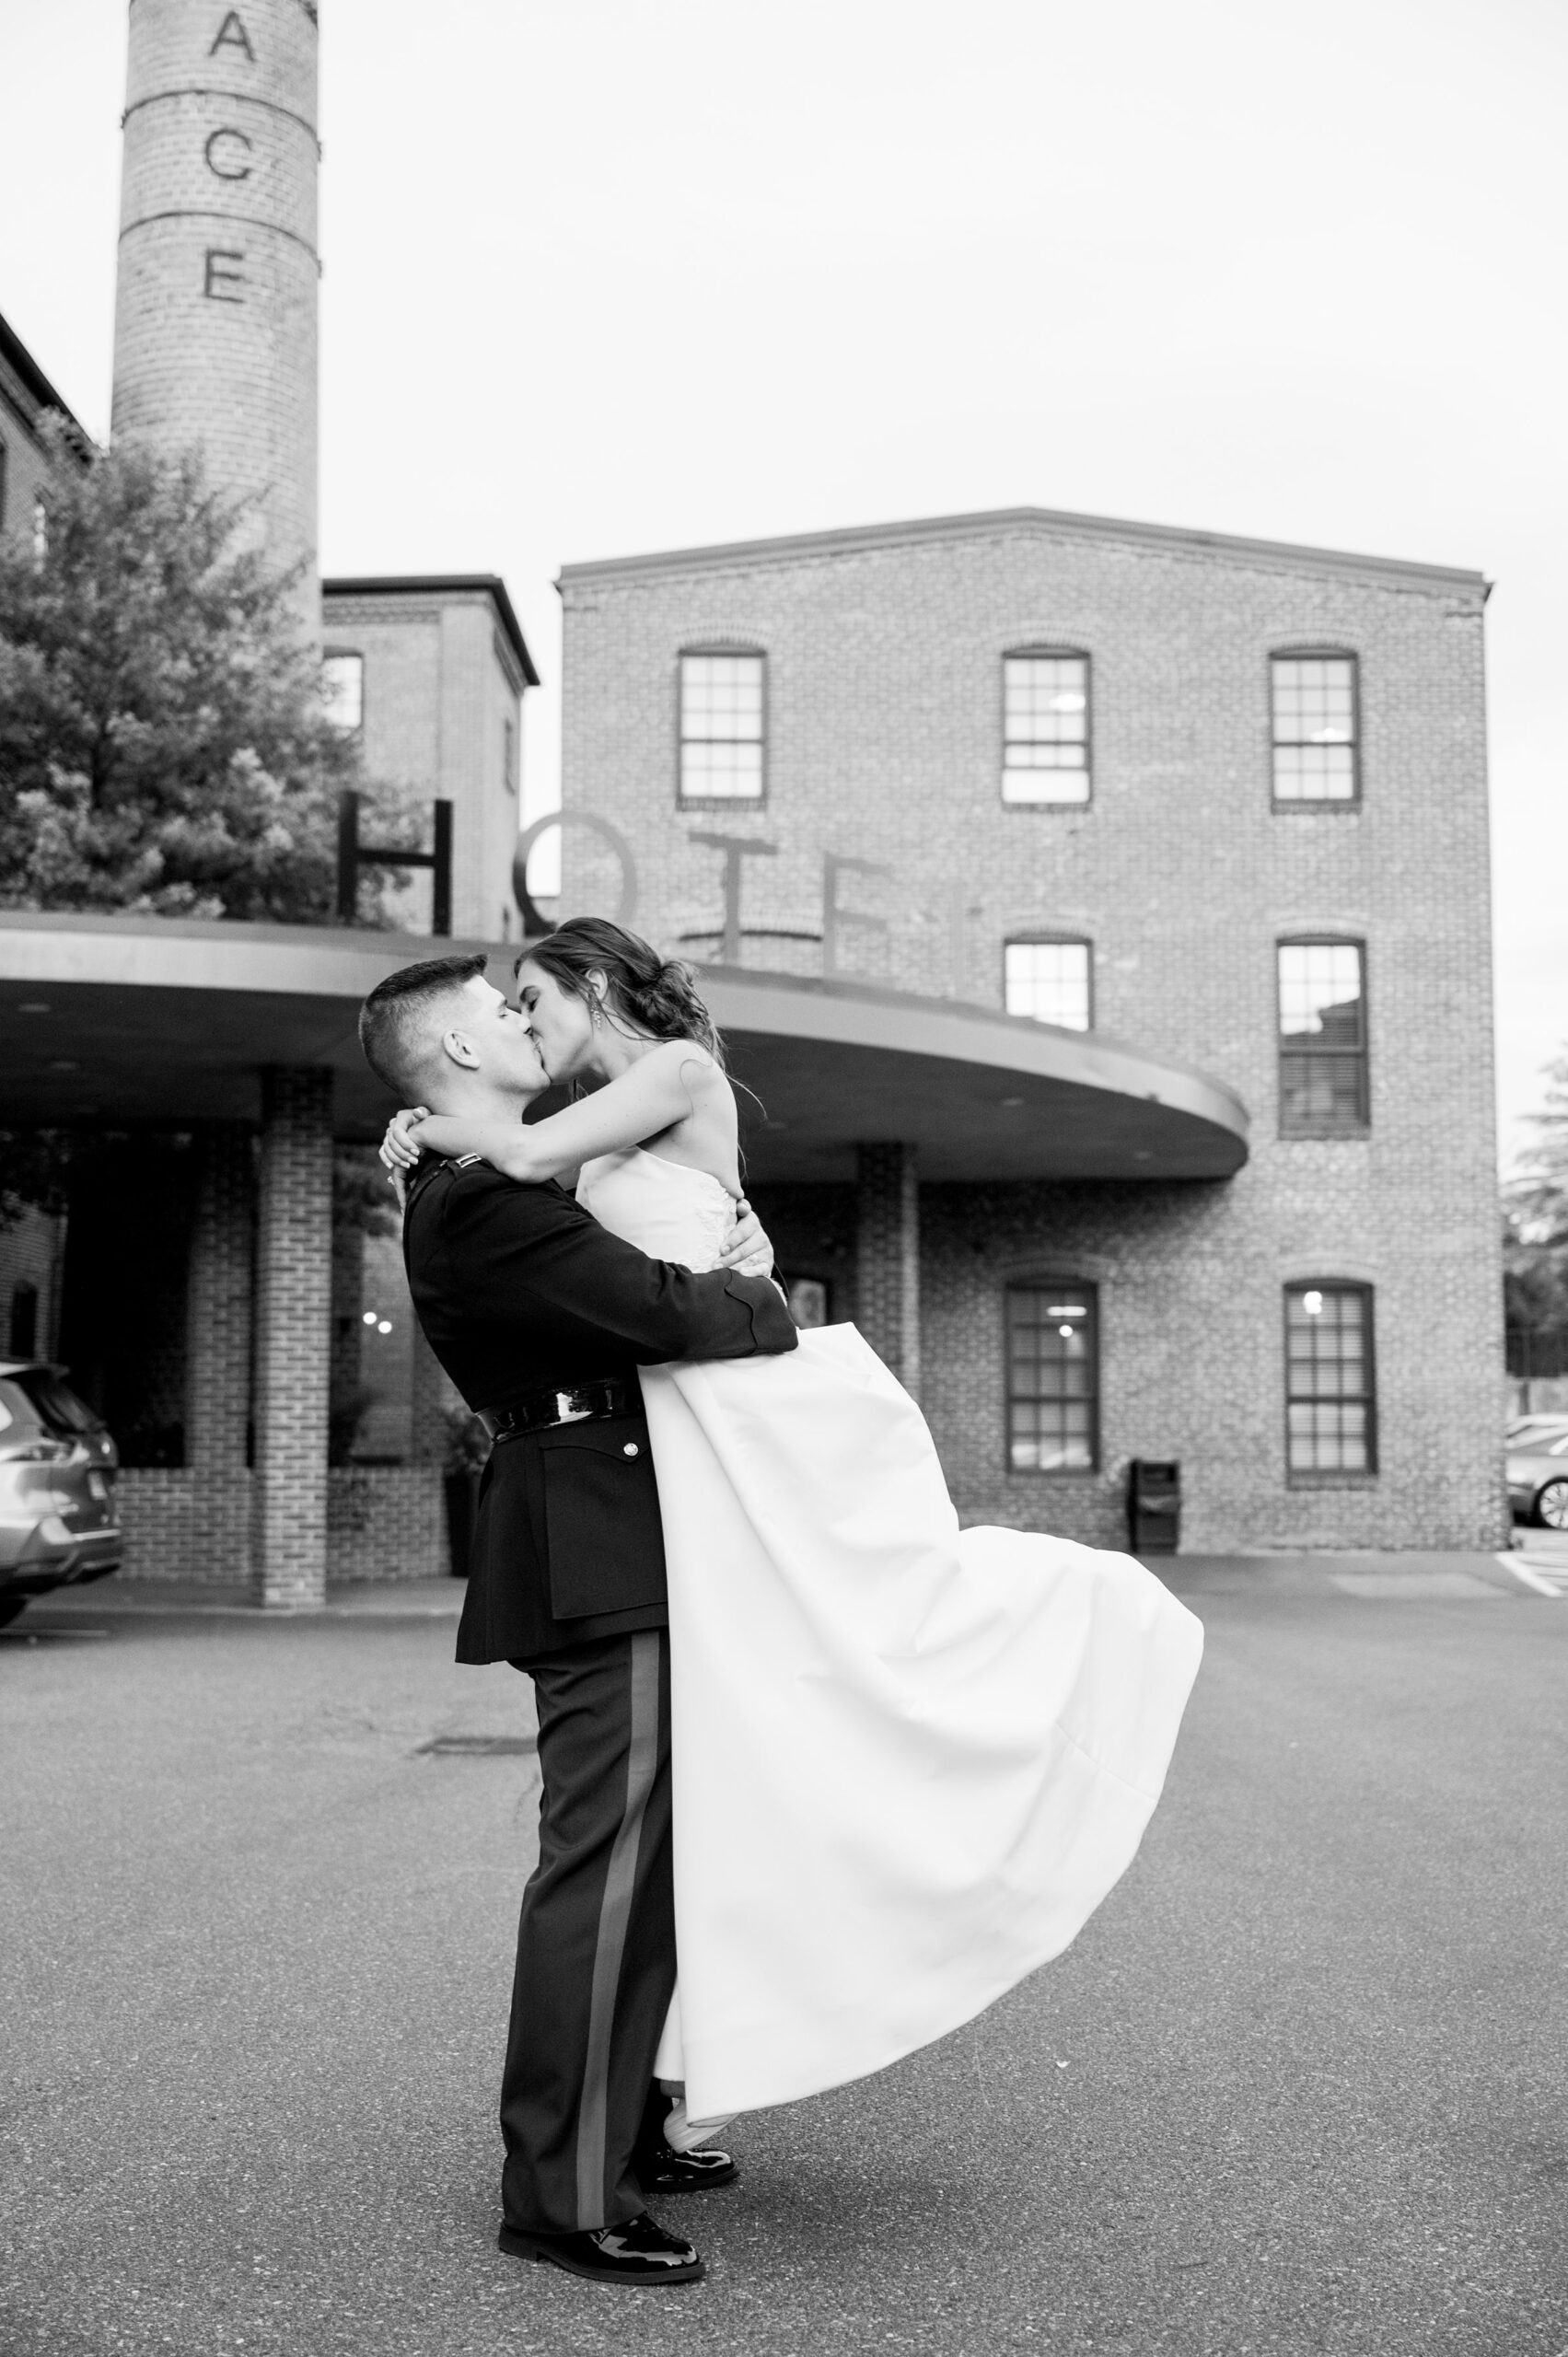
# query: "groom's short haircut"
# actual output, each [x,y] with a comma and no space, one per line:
[402,1021]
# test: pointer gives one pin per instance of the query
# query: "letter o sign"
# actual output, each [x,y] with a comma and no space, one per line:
[534,925]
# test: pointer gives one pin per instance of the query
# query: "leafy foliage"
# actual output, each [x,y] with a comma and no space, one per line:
[163,743]
[34,1172]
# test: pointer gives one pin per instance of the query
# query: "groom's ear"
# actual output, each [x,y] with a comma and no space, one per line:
[460,1048]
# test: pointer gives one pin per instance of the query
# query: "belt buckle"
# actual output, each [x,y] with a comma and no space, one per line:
[567,1410]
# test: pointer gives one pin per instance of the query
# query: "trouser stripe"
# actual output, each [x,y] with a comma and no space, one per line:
[615,1912]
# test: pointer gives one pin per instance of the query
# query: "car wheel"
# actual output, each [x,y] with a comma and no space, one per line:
[9,1607]
[1552,1505]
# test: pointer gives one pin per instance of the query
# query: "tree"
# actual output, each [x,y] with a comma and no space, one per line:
[1535,1239]
[163,746]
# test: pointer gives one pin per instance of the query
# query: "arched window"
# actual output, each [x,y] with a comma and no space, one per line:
[24,1319]
[1330,1381]
[1324,1080]
[1050,977]
[1316,727]
[723,726]
[1053,1376]
[343,688]
[1045,726]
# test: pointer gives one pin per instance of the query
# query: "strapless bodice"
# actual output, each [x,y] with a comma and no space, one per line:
[665,1209]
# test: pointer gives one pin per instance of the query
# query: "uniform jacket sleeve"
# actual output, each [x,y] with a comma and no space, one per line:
[531,1253]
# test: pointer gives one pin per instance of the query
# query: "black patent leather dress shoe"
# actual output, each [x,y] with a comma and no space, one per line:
[639,2253]
[661,2169]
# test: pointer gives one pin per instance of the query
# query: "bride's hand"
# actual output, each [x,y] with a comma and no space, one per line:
[747,1237]
[397,1149]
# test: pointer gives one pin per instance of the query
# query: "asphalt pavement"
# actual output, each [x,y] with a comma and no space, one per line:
[1298,2087]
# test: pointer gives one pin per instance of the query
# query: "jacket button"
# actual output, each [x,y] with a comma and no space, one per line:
[631,1449]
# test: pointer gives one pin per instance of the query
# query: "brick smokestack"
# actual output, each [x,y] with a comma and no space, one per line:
[214,328]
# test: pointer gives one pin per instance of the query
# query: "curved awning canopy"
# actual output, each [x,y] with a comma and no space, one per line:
[145,1021]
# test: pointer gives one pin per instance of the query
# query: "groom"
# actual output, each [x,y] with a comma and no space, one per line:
[541,1318]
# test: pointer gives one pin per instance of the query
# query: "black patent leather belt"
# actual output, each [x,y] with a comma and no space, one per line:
[538,1411]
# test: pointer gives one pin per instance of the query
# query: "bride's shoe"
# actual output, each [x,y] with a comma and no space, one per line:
[668,2157]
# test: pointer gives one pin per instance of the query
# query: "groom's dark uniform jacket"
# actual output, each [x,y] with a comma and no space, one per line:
[518,1291]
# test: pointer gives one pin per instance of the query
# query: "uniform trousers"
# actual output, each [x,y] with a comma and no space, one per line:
[596,1941]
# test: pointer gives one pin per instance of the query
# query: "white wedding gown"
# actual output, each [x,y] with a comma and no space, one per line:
[909,1761]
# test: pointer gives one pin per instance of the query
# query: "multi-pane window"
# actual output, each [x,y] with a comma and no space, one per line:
[1045,727]
[1052,1378]
[343,690]
[1323,1082]
[1049,980]
[722,728]
[1314,727]
[509,756]
[1331,1421]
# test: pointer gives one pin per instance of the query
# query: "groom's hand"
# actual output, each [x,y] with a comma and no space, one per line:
[747,1237]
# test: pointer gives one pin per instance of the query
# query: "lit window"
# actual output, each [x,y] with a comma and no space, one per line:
[1329,1395]
[1323,1078]
[809,1301]
[1045,728]
[39,528]
[1052,1378]
[1315,730]
[1049,980]
[343,690]
[721,727]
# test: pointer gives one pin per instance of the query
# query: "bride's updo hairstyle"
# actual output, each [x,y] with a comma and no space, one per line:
[653,994]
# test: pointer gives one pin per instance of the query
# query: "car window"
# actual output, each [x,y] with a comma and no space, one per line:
[56,1404]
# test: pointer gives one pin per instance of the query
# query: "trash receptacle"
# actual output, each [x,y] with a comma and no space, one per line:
[1153,1505]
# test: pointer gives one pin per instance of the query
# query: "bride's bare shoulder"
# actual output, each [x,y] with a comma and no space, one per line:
[700,1070]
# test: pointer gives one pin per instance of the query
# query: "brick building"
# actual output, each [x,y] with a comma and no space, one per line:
[1221,798]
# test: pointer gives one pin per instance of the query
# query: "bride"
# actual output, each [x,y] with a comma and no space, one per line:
[910,1760]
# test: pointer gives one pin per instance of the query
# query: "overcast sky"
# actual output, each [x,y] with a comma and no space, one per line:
[603,277]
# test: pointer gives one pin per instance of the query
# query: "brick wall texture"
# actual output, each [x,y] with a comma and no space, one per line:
[888,1257]
[440,687]
[885,743]
[216,313]
[293,1274]
[384,1522]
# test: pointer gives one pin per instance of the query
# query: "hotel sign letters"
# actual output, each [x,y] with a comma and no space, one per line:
[839,920]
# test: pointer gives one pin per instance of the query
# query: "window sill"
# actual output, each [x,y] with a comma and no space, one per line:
[1314,803]
[721,802]
[1053,1472]
[1053,804]
[1326,1137]
[1302,1480]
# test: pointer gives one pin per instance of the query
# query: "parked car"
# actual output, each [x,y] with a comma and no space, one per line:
[1516,1429]
[57,1466]
[1537,1472]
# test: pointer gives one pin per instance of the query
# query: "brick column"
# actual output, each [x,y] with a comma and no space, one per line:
[293,1301]
[217,1353]
[888,1258]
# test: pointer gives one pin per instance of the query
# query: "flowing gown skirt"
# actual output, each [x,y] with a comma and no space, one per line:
[909,1761]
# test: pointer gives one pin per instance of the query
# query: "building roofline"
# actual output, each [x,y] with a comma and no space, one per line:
[376,584]
[1049,522]
[17,356]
